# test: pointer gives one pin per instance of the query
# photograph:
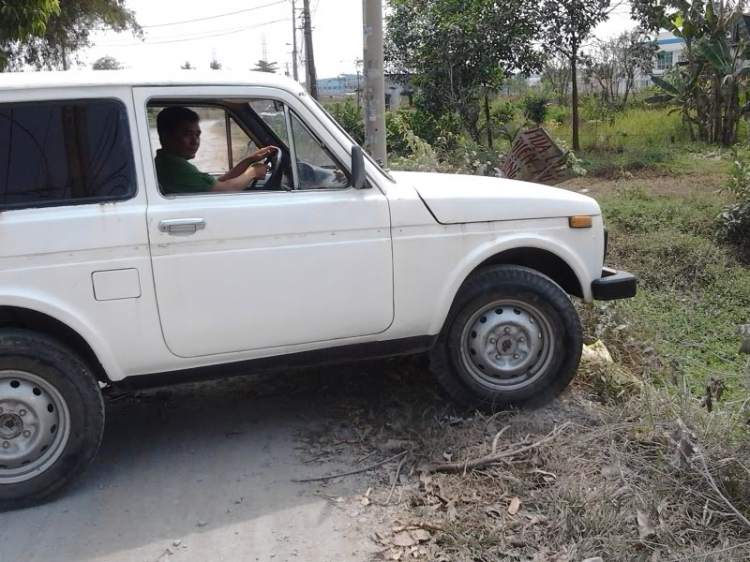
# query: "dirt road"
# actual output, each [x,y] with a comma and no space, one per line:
[203,473]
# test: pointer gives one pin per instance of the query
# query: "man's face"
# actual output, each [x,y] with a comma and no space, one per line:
[185,140]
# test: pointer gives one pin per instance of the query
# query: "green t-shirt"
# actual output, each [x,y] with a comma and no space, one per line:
[177,175]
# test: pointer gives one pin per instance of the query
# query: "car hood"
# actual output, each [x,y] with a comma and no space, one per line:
[455,199]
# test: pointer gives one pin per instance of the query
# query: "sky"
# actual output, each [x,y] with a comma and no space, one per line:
[237,40]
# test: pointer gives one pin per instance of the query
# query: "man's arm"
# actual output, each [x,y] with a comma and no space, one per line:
[242,180]
[255,157]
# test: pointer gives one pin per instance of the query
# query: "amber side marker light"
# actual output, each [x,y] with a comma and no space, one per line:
[580,221]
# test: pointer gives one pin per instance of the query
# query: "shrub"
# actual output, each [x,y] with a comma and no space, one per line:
[535,106]
[503,112]
[350,117]
[734,219]
[559,113]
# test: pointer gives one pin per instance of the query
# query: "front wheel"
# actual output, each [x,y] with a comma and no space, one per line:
[512,338]
[51,417]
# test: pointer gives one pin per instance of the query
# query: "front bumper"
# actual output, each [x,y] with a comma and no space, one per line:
[613,285]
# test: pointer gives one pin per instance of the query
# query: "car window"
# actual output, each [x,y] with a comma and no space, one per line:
[242,145]
[272,113]
[315,166]
[212,158]
[64,152]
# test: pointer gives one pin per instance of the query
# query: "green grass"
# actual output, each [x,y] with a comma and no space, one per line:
[625,130]
[693,291]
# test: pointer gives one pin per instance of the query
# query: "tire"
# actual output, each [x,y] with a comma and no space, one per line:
[486,356]
[52,417]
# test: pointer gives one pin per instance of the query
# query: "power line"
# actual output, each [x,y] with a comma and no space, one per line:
[200,19]
[183,35]
[218,16]
[230,32]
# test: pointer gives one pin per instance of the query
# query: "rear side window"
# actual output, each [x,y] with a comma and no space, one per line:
[64,153]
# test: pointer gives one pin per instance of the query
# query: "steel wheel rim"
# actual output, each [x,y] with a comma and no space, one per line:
[507,345]
[34,426]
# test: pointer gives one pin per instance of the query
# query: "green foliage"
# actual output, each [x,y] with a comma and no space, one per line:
[692,291]
[22,20]
[566,25]
[443,131]
[66,32]
[457,49]
[709,88]
[559,114]
[106,63]
[214,65]
[503,111]
[349,115]
[734,219]
[594,108]
[535,107]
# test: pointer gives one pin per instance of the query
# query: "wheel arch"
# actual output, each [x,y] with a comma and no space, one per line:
[12,316]
[544,261]
[537,253]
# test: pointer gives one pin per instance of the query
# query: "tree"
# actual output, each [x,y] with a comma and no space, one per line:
[107,63]
[556,75]
[215,65]
[456,50]
[567,25]
[615,63]
[265,66]
[65,33]
[713,79]
[187,66]
[21,21]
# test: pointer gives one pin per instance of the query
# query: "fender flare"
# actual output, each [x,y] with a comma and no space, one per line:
[485,251]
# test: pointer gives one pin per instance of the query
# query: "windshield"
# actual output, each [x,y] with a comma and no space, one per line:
[348,136]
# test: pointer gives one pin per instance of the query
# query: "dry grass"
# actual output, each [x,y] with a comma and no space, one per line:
[580,494]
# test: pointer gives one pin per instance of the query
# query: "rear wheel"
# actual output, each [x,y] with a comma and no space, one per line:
[513,338]
[51,417]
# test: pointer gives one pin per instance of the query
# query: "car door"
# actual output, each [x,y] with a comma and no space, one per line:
[262,270]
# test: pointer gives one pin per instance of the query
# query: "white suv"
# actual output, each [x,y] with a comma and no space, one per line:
[108,278]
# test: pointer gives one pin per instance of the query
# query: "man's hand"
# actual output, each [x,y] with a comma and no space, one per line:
[258,171]
[259,155]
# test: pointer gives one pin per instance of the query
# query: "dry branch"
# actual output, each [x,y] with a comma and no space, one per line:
[494,457]
[350,472]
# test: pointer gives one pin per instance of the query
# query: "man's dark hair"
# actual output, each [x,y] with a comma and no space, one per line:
[169,119]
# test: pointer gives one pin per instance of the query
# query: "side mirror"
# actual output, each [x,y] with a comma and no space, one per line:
[359,177]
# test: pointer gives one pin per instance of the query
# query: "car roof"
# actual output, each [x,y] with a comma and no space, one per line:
[103,78]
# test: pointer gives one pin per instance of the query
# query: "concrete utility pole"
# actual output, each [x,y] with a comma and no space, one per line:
[295,54]
[374,80]
[312,77]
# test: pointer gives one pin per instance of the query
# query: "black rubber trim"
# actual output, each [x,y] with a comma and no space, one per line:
[614,285]
[315,358]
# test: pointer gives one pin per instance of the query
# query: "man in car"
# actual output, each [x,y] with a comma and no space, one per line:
[180,137]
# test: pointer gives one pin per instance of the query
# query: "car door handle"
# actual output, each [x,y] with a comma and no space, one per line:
[182,227]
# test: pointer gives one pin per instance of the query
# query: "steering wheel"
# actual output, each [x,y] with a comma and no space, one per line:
[277,170]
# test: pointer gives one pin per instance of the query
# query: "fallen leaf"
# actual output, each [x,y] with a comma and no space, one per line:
[364,501]
[646,529]
[420,535]
[448,456]
[404,538]
[515,505]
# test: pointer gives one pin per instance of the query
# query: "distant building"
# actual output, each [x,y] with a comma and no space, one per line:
[398,91]
[668,55]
